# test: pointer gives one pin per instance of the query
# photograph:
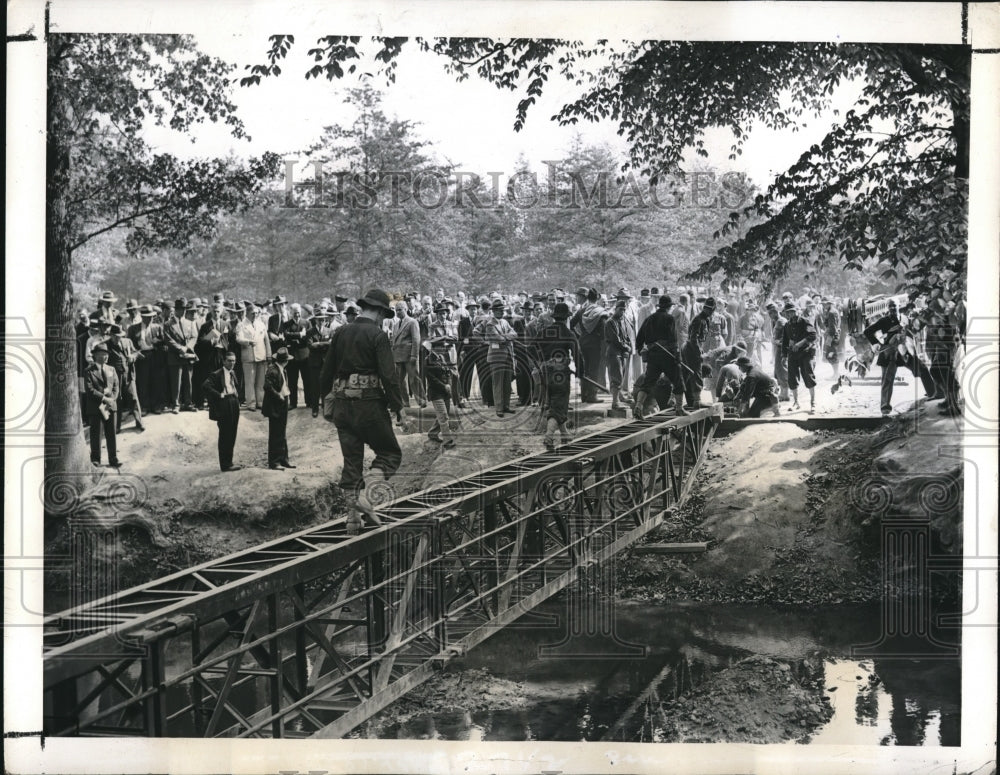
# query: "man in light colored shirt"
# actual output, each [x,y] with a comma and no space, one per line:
[252,336]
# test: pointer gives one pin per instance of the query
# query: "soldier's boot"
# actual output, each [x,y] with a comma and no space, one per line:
[365,507]
[639,410]
[615,395]
[679,404]
[551,426]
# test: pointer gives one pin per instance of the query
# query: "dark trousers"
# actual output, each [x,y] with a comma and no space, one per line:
[500,375]
[277,443]
[693,381]
[311,376]
[657,363]
[180,384]
[800,364]
[144,380]
[292,369]
[361,422]
[594,366]
[96,423]
[759,404]
[911,362]
[159,380]
[228,411]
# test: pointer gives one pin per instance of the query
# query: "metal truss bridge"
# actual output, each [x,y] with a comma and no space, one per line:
[311,634]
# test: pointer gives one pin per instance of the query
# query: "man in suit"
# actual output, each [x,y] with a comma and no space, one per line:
[101,383]
[406,353]
[293,332]
[221,391]
[144,336]
[105,311]
[275,409]
[181,334]
[122,356]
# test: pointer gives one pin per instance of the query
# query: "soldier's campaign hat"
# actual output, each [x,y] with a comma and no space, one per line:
[709,303]
[560,311]
[279,299]
[146,311]
[498,304]
[100,347]
[375,297]
[109,297]
[665,301]
[281,355]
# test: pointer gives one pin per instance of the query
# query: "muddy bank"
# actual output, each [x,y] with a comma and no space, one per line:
[795,517]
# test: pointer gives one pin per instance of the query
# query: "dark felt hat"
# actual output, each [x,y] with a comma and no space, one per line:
[375,297]
[560,311]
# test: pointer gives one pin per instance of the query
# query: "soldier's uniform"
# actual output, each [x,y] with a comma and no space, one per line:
[359,370]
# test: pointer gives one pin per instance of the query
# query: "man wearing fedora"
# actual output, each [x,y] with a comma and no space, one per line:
[105,310]
[499,336]
[275,409]
[221,391]
[180,335]
[144,336]
[280,315]
[360,372]
[122,357]
[101,382]
[251,335]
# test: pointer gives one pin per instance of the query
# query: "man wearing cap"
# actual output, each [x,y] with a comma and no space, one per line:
[798,347]
[499,336]
[619,351]
[698,335]
[777,357]
[658,340]
[221,391]
[893,353]
[757,389]
[360,370]
[275,409]
[101,383]
[251,335]
[122,356]
[554,346]
[829,325]
[406,354]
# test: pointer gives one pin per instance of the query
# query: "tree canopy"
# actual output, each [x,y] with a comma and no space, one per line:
[887,183]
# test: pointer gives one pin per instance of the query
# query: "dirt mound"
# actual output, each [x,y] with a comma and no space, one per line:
[757,700]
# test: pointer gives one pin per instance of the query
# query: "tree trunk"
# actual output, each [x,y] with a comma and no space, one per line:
[67,463]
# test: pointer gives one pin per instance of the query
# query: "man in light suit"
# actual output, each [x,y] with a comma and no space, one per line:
[406,354]
[101,383]
[221,390]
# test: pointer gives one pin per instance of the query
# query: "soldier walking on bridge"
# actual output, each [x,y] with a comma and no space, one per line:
[359,369]
[798,347]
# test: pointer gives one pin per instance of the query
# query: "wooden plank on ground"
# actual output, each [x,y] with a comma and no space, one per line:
[673,548]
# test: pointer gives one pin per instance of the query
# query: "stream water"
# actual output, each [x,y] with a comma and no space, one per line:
[594,688]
